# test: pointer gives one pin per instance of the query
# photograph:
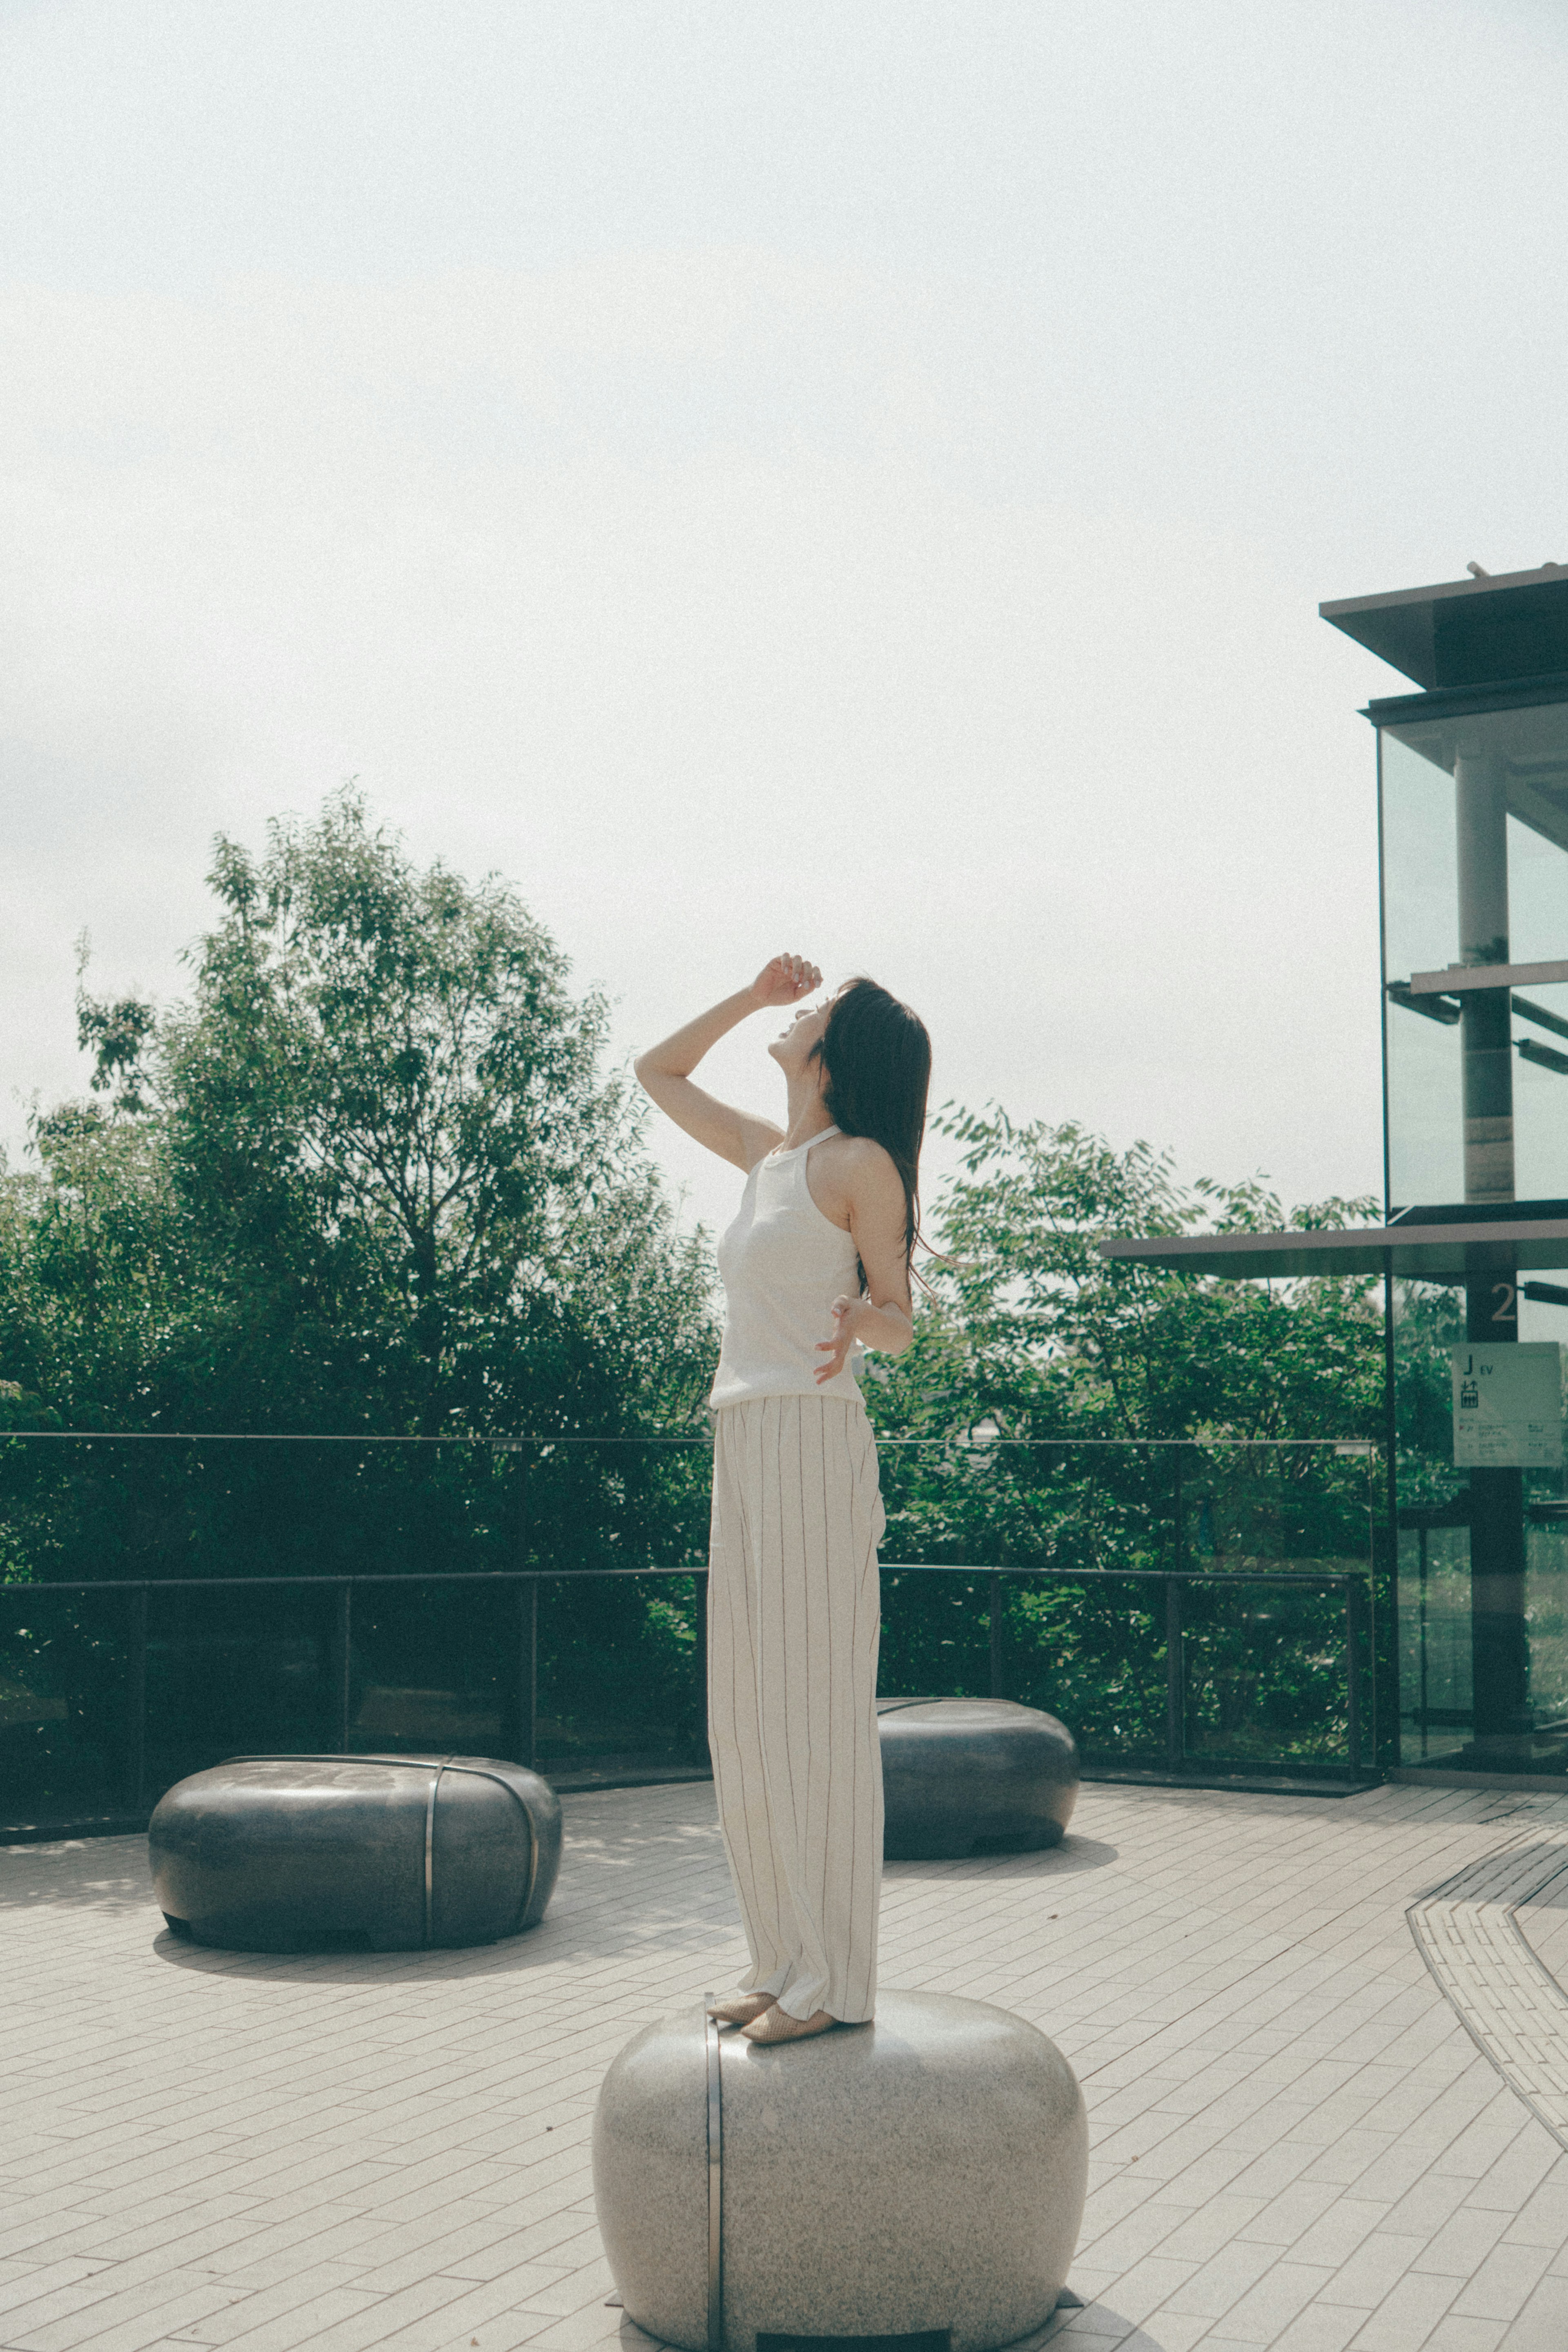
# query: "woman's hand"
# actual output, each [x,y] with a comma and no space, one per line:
[665,1071]
[847,1315]
[785,981]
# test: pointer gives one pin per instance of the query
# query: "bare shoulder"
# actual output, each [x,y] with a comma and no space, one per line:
[863,1155]
[858,1167]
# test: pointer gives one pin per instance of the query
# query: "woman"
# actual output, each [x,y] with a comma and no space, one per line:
[815,1268]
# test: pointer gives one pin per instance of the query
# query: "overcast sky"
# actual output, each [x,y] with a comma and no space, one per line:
[856,479]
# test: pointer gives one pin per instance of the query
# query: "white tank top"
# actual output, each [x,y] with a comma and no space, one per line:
[782,1263]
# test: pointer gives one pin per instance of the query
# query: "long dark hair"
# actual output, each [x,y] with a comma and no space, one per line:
[876,1058]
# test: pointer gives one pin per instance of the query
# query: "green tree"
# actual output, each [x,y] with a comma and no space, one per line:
[371,1180]
[1030,1335]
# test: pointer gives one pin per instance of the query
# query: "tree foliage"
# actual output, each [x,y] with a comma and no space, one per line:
[1029,1323]
[1045,1388]
[371,1179]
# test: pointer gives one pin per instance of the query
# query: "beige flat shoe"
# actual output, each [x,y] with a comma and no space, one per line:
[740,2008]
[776,2024]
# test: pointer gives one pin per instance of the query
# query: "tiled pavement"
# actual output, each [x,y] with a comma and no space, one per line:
[1297,2142]
[1473,1937]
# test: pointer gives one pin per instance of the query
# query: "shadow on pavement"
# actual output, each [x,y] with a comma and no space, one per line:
[98,1873]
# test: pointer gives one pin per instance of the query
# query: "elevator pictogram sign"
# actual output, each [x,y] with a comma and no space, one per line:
[1508,1406]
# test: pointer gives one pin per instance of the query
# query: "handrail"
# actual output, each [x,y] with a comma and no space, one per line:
[1346,1446]
[329,1579]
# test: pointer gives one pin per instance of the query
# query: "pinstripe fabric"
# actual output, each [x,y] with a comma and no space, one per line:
[793,1629]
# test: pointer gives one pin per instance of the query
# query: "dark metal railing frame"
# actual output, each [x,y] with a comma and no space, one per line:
[1359,1632]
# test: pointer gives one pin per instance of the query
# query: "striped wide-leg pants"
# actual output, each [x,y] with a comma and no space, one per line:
[793,1627]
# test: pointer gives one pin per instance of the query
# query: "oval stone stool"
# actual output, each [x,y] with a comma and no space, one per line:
[920,2175]
[384,1853]
[962,1774]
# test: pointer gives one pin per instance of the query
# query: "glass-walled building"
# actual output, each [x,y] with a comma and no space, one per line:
[1474,811]
[1473,807]
[1472,781]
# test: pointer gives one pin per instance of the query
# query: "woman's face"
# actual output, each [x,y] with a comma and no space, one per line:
[792,1048]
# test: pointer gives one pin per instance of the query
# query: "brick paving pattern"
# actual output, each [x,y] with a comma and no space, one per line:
[1301,2138]
[1472,1938]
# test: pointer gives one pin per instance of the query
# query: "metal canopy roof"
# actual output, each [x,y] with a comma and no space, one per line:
[1465,632]
[1434,1253]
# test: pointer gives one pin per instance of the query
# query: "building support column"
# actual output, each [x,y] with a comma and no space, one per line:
[1481,802]
[1499,1647]
[1500,1636]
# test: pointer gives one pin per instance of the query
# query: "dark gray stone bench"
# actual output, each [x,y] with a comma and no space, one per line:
[383,1853]
[973,1775]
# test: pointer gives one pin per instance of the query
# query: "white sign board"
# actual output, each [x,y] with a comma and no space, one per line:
[1508,1406]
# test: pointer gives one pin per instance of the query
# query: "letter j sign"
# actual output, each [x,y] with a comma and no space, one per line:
[1508,1406]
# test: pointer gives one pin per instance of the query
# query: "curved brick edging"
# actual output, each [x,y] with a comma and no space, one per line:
[1505,1997]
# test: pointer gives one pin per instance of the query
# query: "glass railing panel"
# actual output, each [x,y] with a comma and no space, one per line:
[438,1668]
[935,1634]
[237,1670]
[1546,1606]
[1266,1679]
[1435,1694]
[68,1713]
[116,1507]
[1093,1655]
[620,1506]
[445,1554]
[1245,1509]
[1053,1503]
[621,1675]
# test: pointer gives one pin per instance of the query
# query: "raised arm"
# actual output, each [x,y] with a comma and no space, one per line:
[664,1070]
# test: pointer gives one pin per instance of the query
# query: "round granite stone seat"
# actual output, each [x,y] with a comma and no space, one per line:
[973,1775]
[382,1853]
[919,2176]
